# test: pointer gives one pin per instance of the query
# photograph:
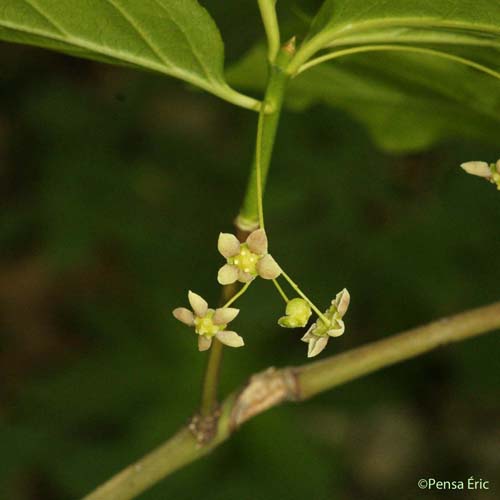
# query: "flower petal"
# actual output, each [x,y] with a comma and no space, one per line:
[244,277]
[479,168]
[338,329]
[227,274]
[228,245]
[199,304]
[342,301]
[231,339]
[498,166]
[204,343]
[288,322]
[184,315]
[257,242]
[308,334]
[316,345]
[268,268]
[224,316]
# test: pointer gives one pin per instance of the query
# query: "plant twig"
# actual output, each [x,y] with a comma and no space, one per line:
[211,379]
[252,213]
[272,387]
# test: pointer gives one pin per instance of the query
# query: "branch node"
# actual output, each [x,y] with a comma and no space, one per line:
[263,391]
[204,428]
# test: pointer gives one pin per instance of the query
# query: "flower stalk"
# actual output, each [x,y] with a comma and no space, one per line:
[251,214]
[281,291]
[271,26]
[303,295]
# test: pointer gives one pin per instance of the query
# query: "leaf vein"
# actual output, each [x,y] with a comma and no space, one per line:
[33,5]
[186,37]
[110,52]
[147,40]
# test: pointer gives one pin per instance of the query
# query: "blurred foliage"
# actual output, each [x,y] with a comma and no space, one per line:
[114,186]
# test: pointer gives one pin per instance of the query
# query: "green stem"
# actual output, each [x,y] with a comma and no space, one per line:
[281,291]
[258,169]
[177,452]
[211,380]
[234,298]
[251,214]
[268,13]
[337,370]
[212,371]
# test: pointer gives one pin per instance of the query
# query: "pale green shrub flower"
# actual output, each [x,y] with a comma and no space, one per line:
[319,333]
[246,261]
[490,172]
[209,323]
[298,312]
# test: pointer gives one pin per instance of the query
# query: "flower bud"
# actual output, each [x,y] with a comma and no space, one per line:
[298,313]
[478,168]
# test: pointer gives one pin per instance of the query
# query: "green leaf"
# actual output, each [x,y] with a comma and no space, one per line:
[413,71]
[407,101]
[414,22]
[173,37]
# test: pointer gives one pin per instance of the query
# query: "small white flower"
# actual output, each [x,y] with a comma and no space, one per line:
[245,261]
[490,172]
[209,323]
[319,333]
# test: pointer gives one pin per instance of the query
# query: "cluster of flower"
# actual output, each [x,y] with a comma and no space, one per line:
[244,262]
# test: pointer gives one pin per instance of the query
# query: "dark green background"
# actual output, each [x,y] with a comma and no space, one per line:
[113,188]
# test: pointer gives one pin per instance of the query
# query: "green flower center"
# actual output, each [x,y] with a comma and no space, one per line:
[205,325]
[245,260]
[321,329]
[333,316]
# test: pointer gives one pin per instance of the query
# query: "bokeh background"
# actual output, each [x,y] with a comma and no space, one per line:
[113,188]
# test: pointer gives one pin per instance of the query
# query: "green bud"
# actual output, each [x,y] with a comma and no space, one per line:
[298,313]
